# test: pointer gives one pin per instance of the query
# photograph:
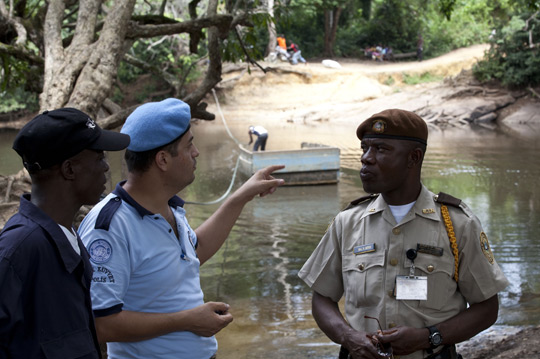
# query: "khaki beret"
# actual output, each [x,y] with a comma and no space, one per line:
[394,124]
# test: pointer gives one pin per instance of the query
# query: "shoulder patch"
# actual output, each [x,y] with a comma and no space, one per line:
[486,248]
[104,218]
[100,251]
[445,198]
[360,200]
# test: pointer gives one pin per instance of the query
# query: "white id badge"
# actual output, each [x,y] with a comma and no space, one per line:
[411,287]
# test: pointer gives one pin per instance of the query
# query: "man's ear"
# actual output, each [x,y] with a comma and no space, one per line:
[66,169]
[416,155]
[162,160]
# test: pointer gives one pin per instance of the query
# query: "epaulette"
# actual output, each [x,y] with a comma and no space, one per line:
[445,198]
[360,200]
[104,218]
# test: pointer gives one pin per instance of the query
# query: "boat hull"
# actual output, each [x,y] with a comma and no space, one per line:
[310,165]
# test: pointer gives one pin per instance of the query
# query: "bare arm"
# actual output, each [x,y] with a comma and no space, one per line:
[461,327]
[213,232]
[329,318]
[128,326]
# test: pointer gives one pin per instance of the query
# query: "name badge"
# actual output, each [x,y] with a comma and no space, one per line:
[411,287]
[366,248]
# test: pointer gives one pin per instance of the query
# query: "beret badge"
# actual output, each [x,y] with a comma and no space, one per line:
[378,126]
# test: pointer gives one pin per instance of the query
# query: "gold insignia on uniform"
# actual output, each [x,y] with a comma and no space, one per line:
[379,126]
[428,210]
[371,210]
[484,244]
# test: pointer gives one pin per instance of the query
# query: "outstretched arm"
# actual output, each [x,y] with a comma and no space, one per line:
[128,326]
[250,138]
[213,232]
[463,326]
[330,320]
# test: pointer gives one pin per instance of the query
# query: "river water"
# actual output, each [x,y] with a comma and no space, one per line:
[256,270]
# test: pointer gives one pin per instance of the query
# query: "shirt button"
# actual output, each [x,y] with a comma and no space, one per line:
[393,262]
[396,231]
[361,266]
[156,217]
[430,268]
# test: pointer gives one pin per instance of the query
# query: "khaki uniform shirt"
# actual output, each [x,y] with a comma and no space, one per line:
[368,279]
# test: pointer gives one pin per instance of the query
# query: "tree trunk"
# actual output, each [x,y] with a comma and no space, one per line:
[272,36]
[213,74]
[331,20]
[82,74]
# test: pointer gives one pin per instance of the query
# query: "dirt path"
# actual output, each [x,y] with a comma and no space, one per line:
[318,93]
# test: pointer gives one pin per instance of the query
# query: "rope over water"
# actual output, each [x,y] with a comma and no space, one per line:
[237,160]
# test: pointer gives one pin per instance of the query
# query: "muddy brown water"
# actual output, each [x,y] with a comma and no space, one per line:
[256,270]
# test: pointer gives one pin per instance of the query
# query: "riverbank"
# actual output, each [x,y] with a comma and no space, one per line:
[336,101]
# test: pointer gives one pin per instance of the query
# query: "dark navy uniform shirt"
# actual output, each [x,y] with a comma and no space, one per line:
[45,309]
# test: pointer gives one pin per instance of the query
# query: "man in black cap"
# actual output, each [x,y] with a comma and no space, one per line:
[45,273]
[415,268]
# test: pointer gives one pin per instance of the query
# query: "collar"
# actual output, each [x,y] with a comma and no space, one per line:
[68,256]
[424,207]
[119,191]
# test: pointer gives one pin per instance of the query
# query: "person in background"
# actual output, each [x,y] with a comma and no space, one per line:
[296,54]
[146,291]
[45,309]
[420,264]
[281,47]
[262,137]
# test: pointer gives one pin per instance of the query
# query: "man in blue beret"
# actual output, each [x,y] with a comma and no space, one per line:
[146,292]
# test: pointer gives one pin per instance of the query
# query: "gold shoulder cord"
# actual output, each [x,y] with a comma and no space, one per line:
[452,236]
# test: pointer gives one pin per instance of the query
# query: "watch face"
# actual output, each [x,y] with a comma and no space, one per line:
[436,338]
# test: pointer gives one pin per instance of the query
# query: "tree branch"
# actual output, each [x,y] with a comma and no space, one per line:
[222,22]
[21,53]
[16,22]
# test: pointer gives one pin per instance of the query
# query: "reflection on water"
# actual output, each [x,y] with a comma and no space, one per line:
[256,270]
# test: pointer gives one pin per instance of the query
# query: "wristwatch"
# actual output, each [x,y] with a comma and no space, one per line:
[435,338]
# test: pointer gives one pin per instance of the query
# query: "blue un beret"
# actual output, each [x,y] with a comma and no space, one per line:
[155,124]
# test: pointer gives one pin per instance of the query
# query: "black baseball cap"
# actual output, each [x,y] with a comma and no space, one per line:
[54,136]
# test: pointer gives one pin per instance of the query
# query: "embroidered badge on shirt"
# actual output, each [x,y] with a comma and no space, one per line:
[428,210]
[366,248]
[484,244]
[100,251]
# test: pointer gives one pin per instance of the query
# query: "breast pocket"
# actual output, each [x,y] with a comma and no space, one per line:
[441,284]
[76,344]
[363,278]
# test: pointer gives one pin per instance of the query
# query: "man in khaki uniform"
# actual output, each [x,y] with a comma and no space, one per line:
[418,262]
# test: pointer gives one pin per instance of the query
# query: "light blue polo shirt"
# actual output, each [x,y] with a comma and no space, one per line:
[138,266]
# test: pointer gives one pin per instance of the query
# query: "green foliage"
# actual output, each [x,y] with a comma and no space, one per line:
[445,25]
[18,99]
[419,79]
[511,59]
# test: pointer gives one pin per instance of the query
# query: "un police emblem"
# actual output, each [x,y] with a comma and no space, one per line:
[100,251]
